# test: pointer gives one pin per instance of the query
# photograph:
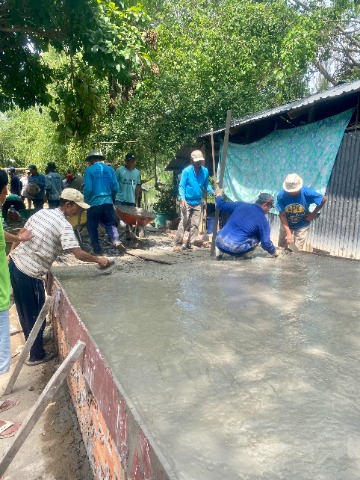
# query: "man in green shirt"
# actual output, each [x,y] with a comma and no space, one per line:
[5,351]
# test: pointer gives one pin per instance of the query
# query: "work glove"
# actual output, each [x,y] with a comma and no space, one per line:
[219,192]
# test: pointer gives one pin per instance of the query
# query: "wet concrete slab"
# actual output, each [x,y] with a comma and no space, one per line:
[239,369]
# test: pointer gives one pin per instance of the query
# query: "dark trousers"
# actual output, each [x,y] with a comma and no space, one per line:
[29,296]
[104,214]
[38,203]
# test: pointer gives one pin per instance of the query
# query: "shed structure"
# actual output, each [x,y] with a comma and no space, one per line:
[337,231]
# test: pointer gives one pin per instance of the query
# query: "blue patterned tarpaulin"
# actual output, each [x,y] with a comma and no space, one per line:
[310,151]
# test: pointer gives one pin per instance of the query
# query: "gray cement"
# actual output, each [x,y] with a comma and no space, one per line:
[240,369]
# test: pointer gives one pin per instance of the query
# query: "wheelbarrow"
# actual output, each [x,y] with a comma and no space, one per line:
[78,222]
[134,217]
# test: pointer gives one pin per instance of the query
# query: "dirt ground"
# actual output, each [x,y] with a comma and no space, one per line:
[54,450]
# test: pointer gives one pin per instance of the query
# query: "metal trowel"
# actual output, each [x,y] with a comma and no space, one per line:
[109,269]
[292,247]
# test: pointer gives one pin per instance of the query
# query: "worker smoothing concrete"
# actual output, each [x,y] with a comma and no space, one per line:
[30,261]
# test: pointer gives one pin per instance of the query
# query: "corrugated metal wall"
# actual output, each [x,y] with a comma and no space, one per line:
[337,231]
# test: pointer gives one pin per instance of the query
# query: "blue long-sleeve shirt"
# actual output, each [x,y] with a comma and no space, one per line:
[247,220]
[191,186]
[100,184]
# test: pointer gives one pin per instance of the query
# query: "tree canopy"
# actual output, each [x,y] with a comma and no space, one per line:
[211,57]
[109,36]
[205,57]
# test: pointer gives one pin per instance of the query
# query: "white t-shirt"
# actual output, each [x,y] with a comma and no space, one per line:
[52,234]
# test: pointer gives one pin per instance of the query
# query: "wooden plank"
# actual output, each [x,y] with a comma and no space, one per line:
[149,257]
[213,156]
[29,343]
[221,178]
[38,409]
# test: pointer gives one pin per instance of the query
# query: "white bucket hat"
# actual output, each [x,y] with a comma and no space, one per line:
[293,183]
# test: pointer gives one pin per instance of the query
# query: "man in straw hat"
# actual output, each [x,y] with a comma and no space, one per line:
[246,227]
[31,260]
[293,203]
[194,180]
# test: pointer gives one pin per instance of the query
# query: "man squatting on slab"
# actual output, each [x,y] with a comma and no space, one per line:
[246,227]
[293,203]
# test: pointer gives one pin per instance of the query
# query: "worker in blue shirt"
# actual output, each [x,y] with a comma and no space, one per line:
[194,181]
[100,188]
[246,227]
[293,203]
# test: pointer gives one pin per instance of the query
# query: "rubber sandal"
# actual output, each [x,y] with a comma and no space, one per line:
[6,404]
[8,429]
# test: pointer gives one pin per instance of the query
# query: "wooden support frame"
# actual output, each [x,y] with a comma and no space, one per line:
[221,178]
[38,409]
[29,343]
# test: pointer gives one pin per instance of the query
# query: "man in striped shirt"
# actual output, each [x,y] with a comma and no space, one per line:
[30,261]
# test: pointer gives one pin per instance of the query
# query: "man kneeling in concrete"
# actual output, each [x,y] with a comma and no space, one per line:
[246,227]
[31,260]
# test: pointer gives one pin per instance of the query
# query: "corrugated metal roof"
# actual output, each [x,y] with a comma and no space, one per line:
[320,97]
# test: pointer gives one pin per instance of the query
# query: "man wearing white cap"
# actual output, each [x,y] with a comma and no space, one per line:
[194,180]
[31,260]
[293,203]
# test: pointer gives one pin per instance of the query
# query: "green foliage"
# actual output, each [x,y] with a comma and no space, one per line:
[208,56]
[166,202]
[211,57]
[31,137]
[79,99]
[108,35]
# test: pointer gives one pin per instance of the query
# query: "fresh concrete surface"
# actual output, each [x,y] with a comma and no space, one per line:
[244,369]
